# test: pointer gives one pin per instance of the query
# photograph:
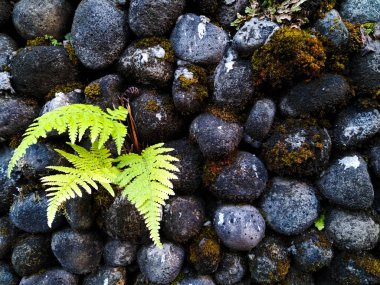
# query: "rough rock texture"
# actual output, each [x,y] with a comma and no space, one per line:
[37,18]
[99,33]
[360,11]
[332,27]
[7,46]
[196,40]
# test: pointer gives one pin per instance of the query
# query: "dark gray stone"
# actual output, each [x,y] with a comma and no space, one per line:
[37,157]
[376,33]
[7,274]
[298,277]
[231,270]
[269,262]
[155,117]
[349,268]
[112,87]
[123,221]
[8,186]
[242,181]
[5,13]
[98,33]
[311,251]
[161,265]
[374,158]
[79,212]
[7,47]
[107,275]
[239,227]
[215,137]
[190,89]
[259,122]
[154,17]
[365,70]
[228,9]
[332,27]
[354,126]
[119,253]
[347,183]
[53,276]
[32,254]
[183,218]
[37,18]
[252,35]
[63,99]
[8,234]
[349,230]
[29,213]
[195,39]
[233,83]
[78,253]
[36,70]
[190,166]
[16,114]
[148,64]
[205,7]
[197,280]
[290,206]
[327,93]
[360,11]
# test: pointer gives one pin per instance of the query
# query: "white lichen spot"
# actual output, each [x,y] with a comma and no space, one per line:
[349,161]
[207,223]
[296,141]
[158,51]
[229,63]
[105,281]
[159,116]
[228,2]
[140,56]
[220,219]
[184,72]
[5,82]
[202,26]
[351,131]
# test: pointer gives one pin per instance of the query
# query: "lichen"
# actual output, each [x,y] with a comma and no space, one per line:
[152,106]
[64,88]
[369,264]
[93,90]
[212,168]
[291,55]
[160,41]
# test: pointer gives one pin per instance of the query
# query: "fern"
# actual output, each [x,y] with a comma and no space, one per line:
[90,169]
[146,182]
[76,119]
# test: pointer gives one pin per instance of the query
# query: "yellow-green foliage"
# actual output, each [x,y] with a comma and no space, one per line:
[90,167]
[146,182]
[146,178]
[290,55]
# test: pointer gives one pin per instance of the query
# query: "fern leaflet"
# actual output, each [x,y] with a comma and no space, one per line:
[146,180]
[76,119]
[90,169]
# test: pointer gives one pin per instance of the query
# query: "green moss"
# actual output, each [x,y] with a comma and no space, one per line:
[370,264]
[325,6]
[160,41]
[291,55]
[15,141]
[38,41]
[355,42]
[6,68]
[64,88]
[152,106]
[71,53]
[369,28]
[223,113]
[93,90]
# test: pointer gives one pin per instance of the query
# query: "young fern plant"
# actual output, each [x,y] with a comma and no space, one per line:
[145,178]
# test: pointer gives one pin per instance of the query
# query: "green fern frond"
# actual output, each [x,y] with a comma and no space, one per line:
[90,169]
[76,119]
[146,182]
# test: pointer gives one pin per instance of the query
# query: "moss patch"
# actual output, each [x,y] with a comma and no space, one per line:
[158,41]
[64,88]
[93,90]
[38,41]
[152,106]
[291,55]
[71,53]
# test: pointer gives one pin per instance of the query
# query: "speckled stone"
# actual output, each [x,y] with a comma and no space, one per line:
[99,33]
[215,137]
[290,206]
[231,270]
[161,265]
[119,253]
[239,227]
[242,181]
[7,275]
[196,40]
[78,253]
[8,234]
[52,276]
[346,182]
[360,11]
[332,27]
[107,275]
[154,17]
[349,230]
[7,46]
[37,18]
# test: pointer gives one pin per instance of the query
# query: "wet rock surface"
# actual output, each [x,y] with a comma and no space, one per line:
[275,123]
